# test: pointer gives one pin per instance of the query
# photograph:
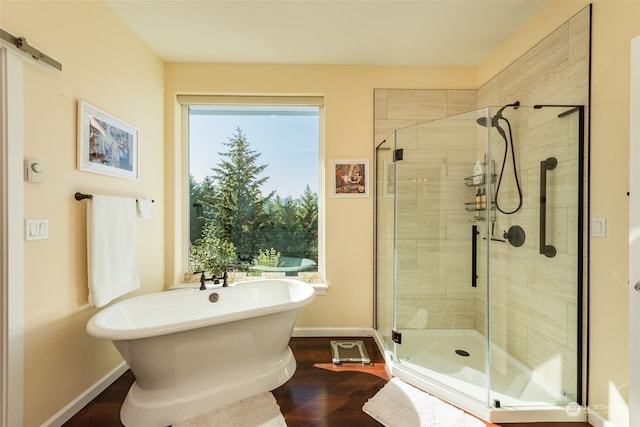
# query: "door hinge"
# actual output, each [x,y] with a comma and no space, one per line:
[396,337]
[397,154]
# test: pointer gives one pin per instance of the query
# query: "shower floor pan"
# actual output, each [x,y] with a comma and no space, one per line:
[451,364]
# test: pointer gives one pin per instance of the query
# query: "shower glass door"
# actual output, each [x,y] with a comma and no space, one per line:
[385,190]
[480,253]
[441,215]
[535,256]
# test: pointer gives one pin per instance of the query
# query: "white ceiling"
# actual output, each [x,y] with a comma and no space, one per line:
[356,32]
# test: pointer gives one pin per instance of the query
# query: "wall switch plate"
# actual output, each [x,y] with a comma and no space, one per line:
[599,227]
[36,229]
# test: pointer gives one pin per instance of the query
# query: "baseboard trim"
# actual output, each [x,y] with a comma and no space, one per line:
[596,420]
[332,332]
[87,396]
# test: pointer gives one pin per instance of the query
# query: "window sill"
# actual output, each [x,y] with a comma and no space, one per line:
[320,288]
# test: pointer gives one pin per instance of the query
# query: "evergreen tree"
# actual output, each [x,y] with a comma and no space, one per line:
[237,203]
[199,209]
[285,234]
[307,218]
[195,210]
[229,216]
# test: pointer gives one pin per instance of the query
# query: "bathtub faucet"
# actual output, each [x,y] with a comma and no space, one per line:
[214,279]
[224,278]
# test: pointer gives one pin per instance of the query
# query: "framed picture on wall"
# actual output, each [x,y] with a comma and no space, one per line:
[106,145]
[350,178]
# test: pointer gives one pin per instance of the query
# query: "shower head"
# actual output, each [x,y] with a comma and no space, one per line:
[482,121]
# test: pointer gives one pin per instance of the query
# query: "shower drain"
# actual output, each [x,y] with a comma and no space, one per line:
[463,353]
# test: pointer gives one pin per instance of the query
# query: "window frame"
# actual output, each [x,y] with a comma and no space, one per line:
[186,101]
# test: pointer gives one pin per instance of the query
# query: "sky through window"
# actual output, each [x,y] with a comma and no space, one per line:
[286,137]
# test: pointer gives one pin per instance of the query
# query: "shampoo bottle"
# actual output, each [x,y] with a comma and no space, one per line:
[478,172]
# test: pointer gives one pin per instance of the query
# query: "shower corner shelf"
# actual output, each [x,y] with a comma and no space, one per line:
[477,180]
[479,208]
[474,207]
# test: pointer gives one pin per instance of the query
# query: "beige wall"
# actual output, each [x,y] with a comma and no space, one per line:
[107,66]
[614,24]
[348,133]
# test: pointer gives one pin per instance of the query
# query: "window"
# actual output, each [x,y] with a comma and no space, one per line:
[254,184]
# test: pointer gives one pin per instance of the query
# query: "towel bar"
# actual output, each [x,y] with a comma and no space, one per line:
[81,196]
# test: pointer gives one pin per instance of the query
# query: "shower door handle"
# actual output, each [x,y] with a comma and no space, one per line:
[474,256]
[546,165]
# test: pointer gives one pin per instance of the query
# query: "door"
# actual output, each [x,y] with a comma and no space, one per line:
[634,237]
[440,218]
[11,273]
[535,271]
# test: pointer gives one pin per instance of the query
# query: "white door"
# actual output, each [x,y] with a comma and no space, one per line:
[11,255]
[634,237]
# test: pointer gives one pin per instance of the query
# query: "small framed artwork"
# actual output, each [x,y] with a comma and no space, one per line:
[106,145]
[350,178]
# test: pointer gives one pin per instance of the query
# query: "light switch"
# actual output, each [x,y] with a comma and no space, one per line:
[36,229]
[43,229]
[599,227]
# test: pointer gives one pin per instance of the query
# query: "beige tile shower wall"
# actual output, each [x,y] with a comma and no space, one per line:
[534,307]
[432,248]
[400,108]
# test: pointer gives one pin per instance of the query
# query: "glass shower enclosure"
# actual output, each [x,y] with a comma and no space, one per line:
[479,258]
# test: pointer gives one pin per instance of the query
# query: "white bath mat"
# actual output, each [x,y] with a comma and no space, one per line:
[257,411]
[399,404]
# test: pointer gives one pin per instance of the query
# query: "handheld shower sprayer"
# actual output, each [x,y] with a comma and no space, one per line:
[482,121]
[495,122]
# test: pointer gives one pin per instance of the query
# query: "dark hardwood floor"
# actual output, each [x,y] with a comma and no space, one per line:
[319,394]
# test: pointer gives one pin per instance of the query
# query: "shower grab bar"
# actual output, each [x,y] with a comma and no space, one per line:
[546,165]
[474,256]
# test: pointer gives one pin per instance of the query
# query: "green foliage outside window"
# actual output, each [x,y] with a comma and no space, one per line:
[266,258]
[211,254]
[234,224]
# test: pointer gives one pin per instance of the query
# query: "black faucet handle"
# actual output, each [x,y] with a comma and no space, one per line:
[203,279]
[225,278]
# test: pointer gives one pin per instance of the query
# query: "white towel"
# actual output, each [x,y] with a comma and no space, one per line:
[145,207]
[111,248]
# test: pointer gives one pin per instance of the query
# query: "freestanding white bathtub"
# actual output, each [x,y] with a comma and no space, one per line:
[195,351]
